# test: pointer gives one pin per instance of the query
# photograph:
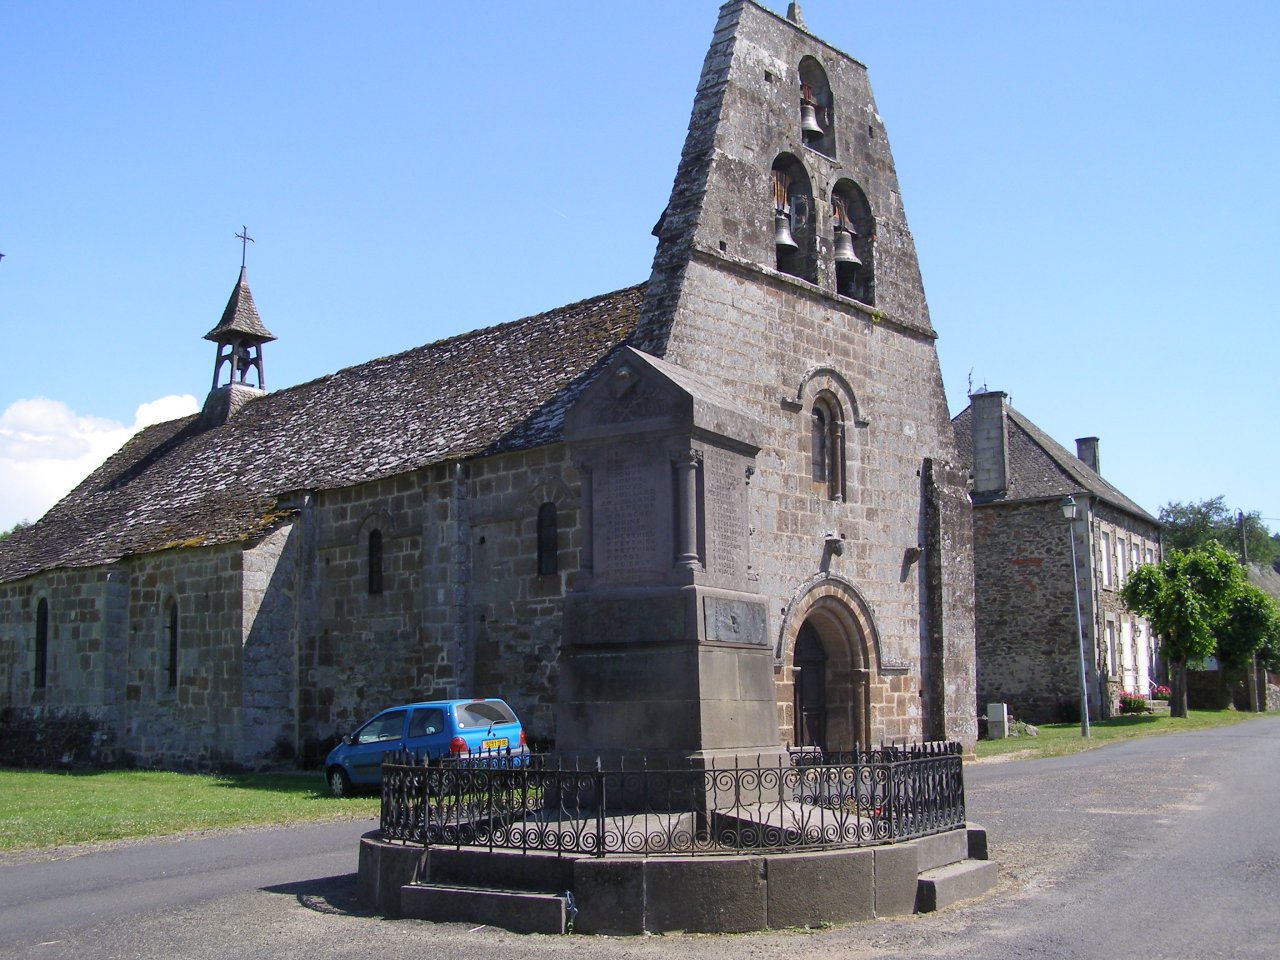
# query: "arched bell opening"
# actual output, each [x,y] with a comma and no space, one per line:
[794,234]
[817,109]
[853,242]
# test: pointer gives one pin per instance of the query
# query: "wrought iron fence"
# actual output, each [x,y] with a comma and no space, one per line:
[537,802]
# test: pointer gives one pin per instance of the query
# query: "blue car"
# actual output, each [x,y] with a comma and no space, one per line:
[433,730]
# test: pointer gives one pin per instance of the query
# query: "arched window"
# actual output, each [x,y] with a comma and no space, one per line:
[375,561]
[171,634]
[827,445]
[854,236]
[817,109]
[42,644]
[794,239]
[548,540]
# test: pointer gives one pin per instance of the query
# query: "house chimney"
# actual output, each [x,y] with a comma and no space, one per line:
[1087,451]
[990,442]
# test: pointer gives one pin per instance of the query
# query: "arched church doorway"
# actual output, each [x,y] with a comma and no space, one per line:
[831,678]
[810,685]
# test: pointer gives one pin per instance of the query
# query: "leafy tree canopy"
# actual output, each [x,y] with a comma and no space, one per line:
[1192,525]
[1186,597]
[16,527]
[1252,626]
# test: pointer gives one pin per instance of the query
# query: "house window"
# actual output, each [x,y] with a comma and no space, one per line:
[1137,556]
[1122,558]
[375,561]
[548,540]
[1112,652]
[1104,546]
[42,644]
[827,445]
[171,632]
[1151,555]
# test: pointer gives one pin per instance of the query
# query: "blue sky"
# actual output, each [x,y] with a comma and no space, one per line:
[1091,187]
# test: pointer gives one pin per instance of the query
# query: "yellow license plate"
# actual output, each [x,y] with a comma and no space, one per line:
[497,743]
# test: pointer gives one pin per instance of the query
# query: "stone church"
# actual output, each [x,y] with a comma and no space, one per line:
[715,512]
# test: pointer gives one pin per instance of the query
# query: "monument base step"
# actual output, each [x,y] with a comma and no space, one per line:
[519,911]
[954,882]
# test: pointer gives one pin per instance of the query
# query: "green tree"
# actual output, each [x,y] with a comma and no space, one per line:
[1186,597]
[1252,626]
[1191,525]
[15,528]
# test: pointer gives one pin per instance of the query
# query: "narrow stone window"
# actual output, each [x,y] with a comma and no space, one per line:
[171,633]
[42,644]
[827,446]
[548,540]
[375,561]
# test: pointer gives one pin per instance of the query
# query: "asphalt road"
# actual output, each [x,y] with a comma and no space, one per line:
[1158,848]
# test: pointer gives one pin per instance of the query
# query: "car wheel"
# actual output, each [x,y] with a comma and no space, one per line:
[339,782]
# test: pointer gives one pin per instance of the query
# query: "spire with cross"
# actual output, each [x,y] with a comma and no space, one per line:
[240,334]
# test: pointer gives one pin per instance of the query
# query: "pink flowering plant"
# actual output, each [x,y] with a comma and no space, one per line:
[1159,692]
[1133,703]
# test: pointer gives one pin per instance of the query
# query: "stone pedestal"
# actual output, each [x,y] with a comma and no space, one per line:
[665,653]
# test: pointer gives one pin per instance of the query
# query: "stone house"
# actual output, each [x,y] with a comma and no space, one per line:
[715,512]
[1027,642]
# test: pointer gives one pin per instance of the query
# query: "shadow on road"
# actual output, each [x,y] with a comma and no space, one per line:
[335,894]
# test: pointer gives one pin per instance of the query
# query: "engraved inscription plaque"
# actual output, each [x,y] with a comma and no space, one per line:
[734,621]
[627,515]
[726,524]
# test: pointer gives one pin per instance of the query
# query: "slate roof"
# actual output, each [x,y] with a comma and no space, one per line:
[240,316]
[501,388]
[1040,467]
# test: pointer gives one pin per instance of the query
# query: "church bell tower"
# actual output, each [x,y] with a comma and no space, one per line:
[239,335]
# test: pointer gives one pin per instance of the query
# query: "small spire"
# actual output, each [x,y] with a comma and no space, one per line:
[794,14]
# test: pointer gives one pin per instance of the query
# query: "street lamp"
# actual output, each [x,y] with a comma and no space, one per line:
[1071,510]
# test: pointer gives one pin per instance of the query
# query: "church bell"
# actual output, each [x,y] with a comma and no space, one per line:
[809,125]
[844,252]
[782,231]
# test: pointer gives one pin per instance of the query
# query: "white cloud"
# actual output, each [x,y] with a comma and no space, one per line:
[46,448]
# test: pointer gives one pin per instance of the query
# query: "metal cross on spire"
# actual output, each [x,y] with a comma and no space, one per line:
[245,240]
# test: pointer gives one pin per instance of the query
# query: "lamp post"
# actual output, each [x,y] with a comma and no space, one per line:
[1071,510]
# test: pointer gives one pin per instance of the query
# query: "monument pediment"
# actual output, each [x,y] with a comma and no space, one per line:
[638,393]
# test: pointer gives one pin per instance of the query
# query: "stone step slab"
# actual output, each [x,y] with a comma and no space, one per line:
[943,886]
[520,911]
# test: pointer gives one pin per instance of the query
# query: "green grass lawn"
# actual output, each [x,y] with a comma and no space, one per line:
[54,809]
[1058,739]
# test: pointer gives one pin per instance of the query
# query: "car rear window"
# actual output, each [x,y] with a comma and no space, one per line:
[481,713]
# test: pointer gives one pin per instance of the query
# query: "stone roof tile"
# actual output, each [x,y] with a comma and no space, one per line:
[1040,467]
[177,484]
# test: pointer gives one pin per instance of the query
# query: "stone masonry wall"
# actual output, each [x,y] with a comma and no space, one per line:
[81,653]
[196,723]
[1028,651]
[463,611]
[894,421]
[269,604]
